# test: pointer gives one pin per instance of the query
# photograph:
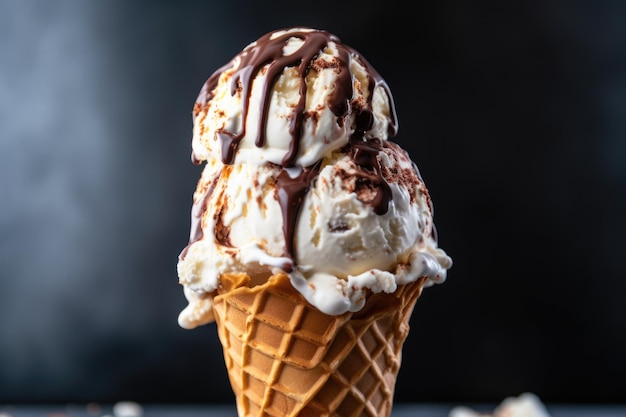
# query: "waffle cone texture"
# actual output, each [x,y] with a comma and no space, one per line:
[285,358]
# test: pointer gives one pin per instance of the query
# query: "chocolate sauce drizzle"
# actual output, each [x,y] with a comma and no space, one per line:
[197,212]
[291,192]
[364,154]
[267,52]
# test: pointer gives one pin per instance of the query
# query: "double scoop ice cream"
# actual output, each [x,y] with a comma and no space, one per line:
[300,178]
[304,204]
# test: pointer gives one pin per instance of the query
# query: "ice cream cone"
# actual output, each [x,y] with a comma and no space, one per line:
[285,358]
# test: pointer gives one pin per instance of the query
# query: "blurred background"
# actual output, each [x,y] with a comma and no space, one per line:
[515,113]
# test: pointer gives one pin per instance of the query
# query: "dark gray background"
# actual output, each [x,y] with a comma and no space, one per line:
[515,113]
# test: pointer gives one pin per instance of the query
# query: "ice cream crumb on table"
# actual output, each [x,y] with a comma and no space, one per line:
[525,405]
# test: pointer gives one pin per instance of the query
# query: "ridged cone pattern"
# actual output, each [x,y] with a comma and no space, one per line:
[285,358]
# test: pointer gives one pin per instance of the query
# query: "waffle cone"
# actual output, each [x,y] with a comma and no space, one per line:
[285,358]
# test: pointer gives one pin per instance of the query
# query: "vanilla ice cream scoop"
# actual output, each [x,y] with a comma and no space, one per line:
[300,178]
[290,98]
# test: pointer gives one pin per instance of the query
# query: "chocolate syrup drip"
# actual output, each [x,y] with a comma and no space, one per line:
[197,211]
[291,193]
[268,50]
[364,154]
